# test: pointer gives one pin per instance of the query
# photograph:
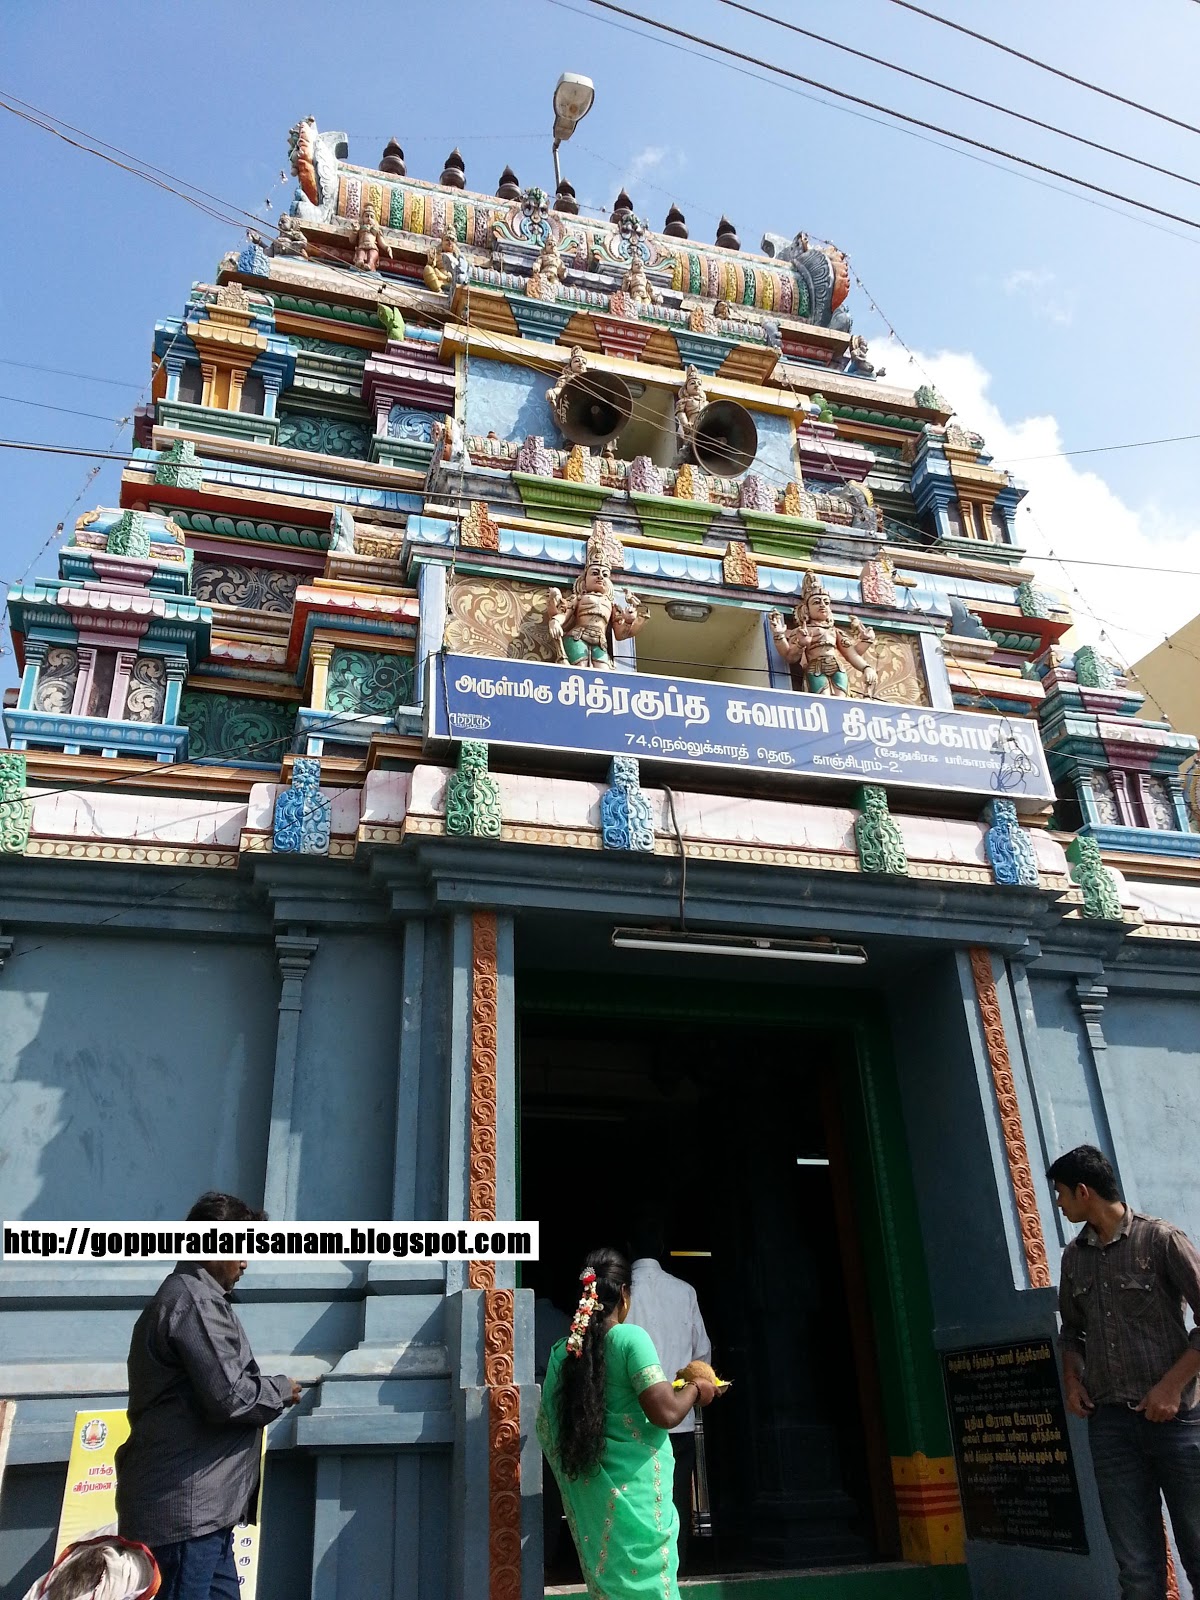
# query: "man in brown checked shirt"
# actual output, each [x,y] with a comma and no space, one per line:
[1131,1367]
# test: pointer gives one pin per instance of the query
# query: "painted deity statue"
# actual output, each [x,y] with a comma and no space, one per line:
[442,264]
[548,272]
[819,647]
[637,287]
[579,624]
[369,241]
[689,406]
[289,241]
[575,368]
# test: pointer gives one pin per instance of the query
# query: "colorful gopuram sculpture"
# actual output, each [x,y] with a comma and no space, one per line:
[581,623]
[818,647]
[336,480]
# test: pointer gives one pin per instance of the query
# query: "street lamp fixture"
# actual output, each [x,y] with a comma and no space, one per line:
[573,96]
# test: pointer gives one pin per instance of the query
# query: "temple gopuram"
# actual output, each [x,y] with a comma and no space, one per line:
[547,731]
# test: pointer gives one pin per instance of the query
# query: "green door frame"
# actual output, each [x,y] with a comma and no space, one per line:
[914,1406]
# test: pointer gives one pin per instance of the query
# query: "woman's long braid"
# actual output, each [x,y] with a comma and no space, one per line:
[581,1394]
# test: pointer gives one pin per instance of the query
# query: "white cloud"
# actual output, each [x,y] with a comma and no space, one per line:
[647,160]
[1072,511]
[1035,285]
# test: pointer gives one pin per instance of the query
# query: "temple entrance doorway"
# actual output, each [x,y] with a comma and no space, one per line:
[732,1136]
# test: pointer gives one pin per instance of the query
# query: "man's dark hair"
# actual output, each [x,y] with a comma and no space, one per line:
[1086,1164]
[214,1206]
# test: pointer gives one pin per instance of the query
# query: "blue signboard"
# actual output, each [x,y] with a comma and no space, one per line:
[684,720]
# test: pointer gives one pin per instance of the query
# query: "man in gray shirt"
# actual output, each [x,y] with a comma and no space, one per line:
[1131,1366]
[188,1472]
[667,1308]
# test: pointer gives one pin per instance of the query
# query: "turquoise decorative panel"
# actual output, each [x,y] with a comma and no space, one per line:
[328,436]
[369,682]
[227,727]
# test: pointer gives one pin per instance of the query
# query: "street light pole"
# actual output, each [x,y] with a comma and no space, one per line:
[573,97]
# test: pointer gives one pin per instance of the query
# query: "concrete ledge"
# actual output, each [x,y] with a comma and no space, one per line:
[343,1428]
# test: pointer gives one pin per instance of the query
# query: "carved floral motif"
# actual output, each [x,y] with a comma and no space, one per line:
[1101,898]
[56,682]
[232,727]
[626,820]
[1105,800]
[877,835]
[877,579]
[15,811]
[1008,846]
[499,617]
[147,691]
[302,812]
[504,1491]
[739,566]
[479,531]
[473,795]
[327,436]
[1010,1120]
[371,682]
[504,1398]
[228,583]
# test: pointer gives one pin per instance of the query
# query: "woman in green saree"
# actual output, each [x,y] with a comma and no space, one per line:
[606,1408]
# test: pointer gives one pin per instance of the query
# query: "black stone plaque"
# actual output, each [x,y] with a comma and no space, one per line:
[1015,1469]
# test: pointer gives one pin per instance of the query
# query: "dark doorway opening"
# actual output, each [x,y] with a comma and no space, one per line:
[732,1135]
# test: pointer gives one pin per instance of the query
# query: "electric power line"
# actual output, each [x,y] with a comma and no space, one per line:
[67,411]
[963,94]
[901,116]
[1045,66]
[143,171]
[878,122]
[60,372]
[1103,449]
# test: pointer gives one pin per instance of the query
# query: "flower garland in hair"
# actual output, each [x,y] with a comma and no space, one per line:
[588,1302]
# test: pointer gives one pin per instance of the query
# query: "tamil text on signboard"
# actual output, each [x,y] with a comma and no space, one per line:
[1015,1470]
[533,706]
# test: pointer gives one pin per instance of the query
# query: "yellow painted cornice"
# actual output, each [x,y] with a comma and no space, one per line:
[458,339]
[243,341]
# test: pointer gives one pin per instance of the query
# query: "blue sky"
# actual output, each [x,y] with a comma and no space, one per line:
[1050,322]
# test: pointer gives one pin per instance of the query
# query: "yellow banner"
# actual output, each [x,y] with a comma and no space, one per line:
[89,1505]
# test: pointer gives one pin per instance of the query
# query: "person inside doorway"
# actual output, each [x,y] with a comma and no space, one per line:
[1132,1368]
[606,1408]
[667,1308]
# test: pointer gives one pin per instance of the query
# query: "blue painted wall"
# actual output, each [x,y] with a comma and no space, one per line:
[510,400]
[776,458]
[134,1074]
[1154,1084]
[976,1270]
[345,1089]
[148,1076]
[1069,1097]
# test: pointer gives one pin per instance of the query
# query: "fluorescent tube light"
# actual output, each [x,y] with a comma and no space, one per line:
[738,944]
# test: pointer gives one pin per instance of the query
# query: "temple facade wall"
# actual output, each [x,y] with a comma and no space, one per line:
[141,1067]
